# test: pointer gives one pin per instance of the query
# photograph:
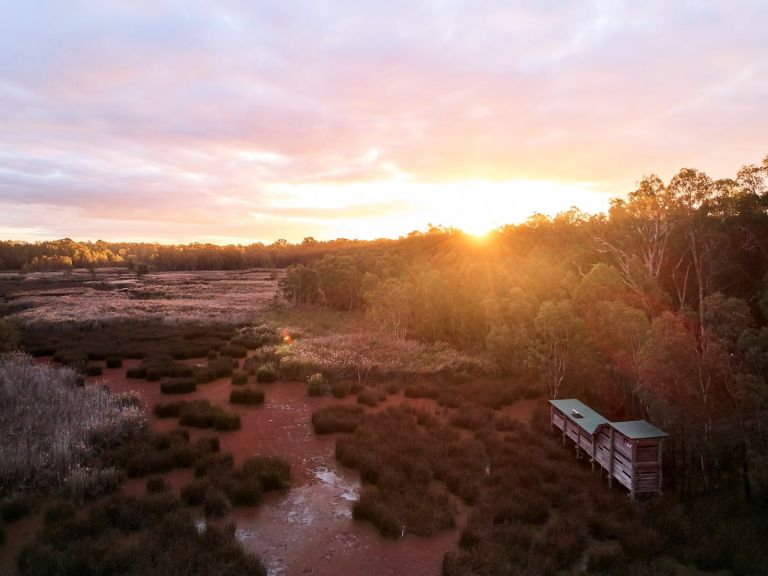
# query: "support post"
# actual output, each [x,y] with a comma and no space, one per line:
[610,459]
[658,489]
[633,481]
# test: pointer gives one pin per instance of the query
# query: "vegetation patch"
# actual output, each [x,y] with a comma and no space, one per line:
[371,397]
[265,374]
[178,386]
[198,414]
[154,453]
[409,463]
[317,386]
[248,396]
[44,437]
[153,535]
[337,419]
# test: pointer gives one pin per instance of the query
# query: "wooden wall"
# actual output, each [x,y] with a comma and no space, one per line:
[635,464]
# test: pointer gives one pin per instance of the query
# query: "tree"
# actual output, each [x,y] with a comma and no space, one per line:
[390,307]
[300,284]
[558,329]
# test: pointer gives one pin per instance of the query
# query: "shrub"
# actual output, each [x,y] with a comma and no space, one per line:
[340,389]
[187,351]
[212,355]
[156,484]
[204,375]
[234,351]
[472,417]
[337,419]
[239,378]
[153,374]
[193,494]
[216,504]
[167,409]
[199,414]
[138,373]
[393,387]
[59,511]
[178,386]
[273,472]
[163,539]
[15,507]
[316,385]
[2,533]
[243,490]
[83,484]
[246,396]
[223,366]
[421,390]
[370,397]
[225,421]
[47,412]
[215,464]
[93,370]
[114,362]
[265,374]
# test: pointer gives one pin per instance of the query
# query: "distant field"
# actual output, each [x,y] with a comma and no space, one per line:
[117,294]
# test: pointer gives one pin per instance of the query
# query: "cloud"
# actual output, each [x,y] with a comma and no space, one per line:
[204,113]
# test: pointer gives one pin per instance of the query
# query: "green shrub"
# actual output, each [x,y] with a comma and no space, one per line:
[193,494]
[265,374]
[152,536]
[178,386]
[337,419]
[93,370]
[205,375]
[215,464]
[421,390]
[274,472]
[239,378]
[340,389]
[114,362]
[189,351]
[216,504]
[83,484]
[316,385]
[14,507]
[138,373]
[198,414]
[59,511]
[153,374]
[156,484]
[369,397]
[167,409]
[223,366]
[234,351]
[225,421]
[248,396]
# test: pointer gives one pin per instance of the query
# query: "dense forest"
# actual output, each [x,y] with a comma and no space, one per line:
[657,309]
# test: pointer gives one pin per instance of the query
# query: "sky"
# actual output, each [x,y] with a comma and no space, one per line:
[243,121]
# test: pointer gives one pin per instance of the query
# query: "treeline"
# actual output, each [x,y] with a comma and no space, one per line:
[655,310]
[67,254]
